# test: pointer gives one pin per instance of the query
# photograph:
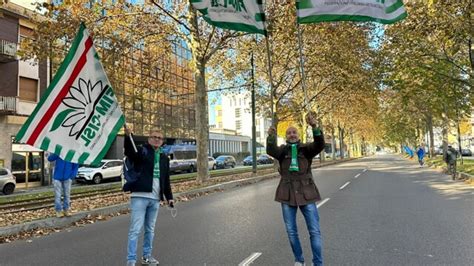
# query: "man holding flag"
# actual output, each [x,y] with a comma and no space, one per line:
[297,189]
[153,185]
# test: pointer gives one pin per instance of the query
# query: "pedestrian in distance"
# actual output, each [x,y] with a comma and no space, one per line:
[151,187]
[420,152]
[297,189]
[63,174]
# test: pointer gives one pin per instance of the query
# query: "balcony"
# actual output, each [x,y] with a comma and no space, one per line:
[7,51]
[8,105]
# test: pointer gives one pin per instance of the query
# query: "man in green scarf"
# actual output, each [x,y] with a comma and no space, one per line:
[297,188]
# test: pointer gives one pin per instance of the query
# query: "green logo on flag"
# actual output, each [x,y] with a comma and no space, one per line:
[237,4]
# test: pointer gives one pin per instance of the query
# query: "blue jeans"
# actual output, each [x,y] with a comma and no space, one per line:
[311,216]
[144,213]
[60,188]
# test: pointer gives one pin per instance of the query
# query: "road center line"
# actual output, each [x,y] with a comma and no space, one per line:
[250,259]
[322,202]
[345,185]
[357,176]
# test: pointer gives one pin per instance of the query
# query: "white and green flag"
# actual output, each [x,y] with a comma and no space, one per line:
[238,15]
[382,11]
[78,117]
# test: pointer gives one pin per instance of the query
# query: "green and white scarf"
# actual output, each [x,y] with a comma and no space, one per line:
[294,158]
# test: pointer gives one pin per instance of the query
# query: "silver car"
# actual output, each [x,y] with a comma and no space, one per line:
[7,181]
[212,163]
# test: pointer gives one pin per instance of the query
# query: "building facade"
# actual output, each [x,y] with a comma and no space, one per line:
[235,113]
[22,82]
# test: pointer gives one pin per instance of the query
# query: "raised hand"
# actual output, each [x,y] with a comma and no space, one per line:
[128,131]
[272,131]
[311,119]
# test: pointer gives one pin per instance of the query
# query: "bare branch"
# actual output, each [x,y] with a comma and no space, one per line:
[171,15]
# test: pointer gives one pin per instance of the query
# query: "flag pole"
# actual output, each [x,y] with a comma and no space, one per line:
[131,138]
[303,74]
[270,75]
[270,67]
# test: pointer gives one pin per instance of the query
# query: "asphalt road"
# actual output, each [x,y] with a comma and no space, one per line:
[391,213]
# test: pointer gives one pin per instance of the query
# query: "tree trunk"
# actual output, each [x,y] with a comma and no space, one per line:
[202,119]
[333,144]
[202,123]
[459,140]
[341,141]
[429,121]
[445,131]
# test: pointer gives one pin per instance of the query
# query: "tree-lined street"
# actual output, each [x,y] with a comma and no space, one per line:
[391,213]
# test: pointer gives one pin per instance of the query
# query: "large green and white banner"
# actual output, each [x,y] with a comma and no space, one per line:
[382,11]
[78,117]
[238,15]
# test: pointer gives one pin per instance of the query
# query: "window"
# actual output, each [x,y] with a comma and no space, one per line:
[26,32]
[3,171]
[28,89]
[219,125]
[237,112]
[238,125]
[219,112]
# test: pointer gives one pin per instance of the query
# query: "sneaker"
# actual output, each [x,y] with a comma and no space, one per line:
[59,214]
[300,264]
[131,263]
[67,213]
[149,261]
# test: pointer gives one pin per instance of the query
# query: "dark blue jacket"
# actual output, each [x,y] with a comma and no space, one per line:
[63,170]
[146,164]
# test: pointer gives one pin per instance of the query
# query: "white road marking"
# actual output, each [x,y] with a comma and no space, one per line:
[357,176]
[345,185]
[322,202]
[250,259]
[365,170]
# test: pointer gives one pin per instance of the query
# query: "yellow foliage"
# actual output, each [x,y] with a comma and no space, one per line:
[284,125]
[465,127]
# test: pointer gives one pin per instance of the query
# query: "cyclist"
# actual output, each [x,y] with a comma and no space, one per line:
[450,158]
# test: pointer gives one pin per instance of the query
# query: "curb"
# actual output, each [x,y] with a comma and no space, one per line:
[54,222]
[469,178]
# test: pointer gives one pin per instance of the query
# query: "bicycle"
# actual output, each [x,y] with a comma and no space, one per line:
[452,169]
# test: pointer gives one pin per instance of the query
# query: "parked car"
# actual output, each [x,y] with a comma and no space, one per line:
[212,163]
[107,169]
[183,166]
[248,160]
[225,161]
[7,181]
[466,152]
[438,151]
[264,159]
